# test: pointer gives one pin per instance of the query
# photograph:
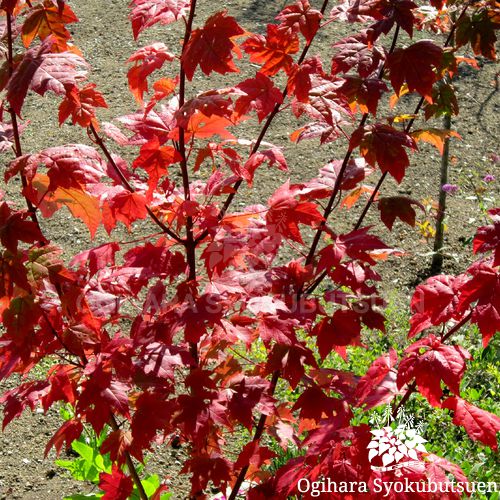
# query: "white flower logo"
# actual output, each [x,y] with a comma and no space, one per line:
[394,445]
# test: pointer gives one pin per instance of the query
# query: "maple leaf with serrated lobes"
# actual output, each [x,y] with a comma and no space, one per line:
[259,94]
[211,47]
[378,385]
[321,187]
[299,78]
[147,13]
[342,329]
[272,51]
[286,213]
[96,258]
[253,455]
[46,19]
[300,17]
[71,166]
[211,104]
[155,160]
[480,425]
[80,104]
[291,360]
[273,157]
[416,65]
[14,227]
[363,93]
[392,12]
[435,136]
[482,292]
[359,53]
[81,204]
[429,362]
[479,31]
[435,302]
[384,145]
[118,444]
[67,433]
[204,468]
[146,60]
[116,486]
[398,207]
[124,206]
[42,71]
[314,404]
[487,238]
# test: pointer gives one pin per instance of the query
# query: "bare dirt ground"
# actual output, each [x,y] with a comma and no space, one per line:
[104,35]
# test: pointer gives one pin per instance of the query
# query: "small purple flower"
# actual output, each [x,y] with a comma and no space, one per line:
[489,178]
[495,158]
[449,188]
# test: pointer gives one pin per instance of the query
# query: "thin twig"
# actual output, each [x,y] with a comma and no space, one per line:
[130,464]
[126,184]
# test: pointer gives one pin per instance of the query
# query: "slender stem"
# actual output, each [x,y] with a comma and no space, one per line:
[15,126]
[437,258]
[372,198]
[190,243]
[126,184]
[259,430]
[130,464]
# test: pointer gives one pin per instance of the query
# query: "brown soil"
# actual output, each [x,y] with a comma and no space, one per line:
[104,35]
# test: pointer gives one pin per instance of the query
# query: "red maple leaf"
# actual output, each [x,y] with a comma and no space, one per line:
[211,104]
[273,51]
[416,65]
[435,302]
[147,59]
[42,71]
[378,385]
[300,17]
[429,362]
[488,237]
[67,433]
[80,104]
[273,157]
[300,78]
[359,53]
[384,145]
[257,94]
[47,19]
[286,213]
[211,47]
[479,424]
[14,227]
[482,292]
[398,207]
[343,328]
[146,13]
[363,93]
[116,486]
[155,160]
[123,206]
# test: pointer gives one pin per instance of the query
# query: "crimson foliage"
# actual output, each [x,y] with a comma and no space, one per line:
[150,334]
